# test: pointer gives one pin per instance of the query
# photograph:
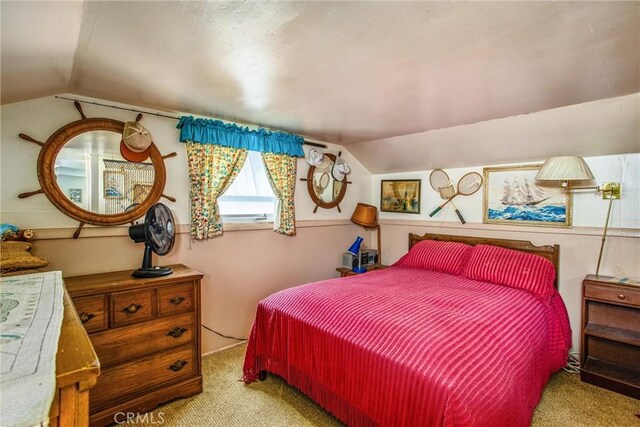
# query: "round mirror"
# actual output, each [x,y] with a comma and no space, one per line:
[323,182]
[325,191]
[82,172]
[91,173]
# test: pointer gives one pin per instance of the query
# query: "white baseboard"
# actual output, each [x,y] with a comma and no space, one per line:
[218,350]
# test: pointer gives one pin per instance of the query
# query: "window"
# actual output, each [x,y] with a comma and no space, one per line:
[250,196]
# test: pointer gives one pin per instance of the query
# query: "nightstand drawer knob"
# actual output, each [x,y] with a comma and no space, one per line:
[621,296]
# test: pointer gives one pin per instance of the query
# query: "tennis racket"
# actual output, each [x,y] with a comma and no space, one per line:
[440,182]
[448,193]
[468,184]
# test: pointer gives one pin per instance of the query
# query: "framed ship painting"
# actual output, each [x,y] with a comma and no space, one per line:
[513,196]
[400,195]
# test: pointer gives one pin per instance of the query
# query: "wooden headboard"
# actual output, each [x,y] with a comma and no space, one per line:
[550,252]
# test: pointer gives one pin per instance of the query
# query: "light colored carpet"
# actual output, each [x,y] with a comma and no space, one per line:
[227,402]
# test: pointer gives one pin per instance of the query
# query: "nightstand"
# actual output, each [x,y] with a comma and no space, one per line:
[611,335]
[344,272]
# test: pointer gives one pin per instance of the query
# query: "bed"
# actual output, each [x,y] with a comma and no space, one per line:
[423,342]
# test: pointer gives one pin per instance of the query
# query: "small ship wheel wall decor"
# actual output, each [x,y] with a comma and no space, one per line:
[81,171]
[326,191]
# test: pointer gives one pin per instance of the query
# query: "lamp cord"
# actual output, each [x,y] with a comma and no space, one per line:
[222,335]
[573,363]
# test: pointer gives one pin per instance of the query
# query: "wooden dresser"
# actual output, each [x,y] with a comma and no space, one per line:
[610,345]
[146,333]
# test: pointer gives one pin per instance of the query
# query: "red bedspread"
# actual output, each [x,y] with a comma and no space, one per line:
[408,347]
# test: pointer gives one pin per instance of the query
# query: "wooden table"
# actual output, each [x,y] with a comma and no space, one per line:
[344,272]
[77,369]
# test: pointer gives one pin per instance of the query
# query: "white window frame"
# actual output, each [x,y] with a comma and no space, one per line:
[250,217]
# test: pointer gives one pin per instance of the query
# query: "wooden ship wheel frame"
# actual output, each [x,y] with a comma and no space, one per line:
[50,188]
[319,203]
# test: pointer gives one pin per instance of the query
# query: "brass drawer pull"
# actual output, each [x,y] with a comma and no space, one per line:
[177,300]
[621,296]
[132,308]
[177,332]
[85,317]
[178,365]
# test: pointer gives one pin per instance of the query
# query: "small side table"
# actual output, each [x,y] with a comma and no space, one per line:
[611,335]
[344,272]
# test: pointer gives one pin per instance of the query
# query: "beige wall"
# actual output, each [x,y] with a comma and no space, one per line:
[39,118]
[241,267]
[579,246]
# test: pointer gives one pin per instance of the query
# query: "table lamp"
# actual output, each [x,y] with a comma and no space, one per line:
[354,250]
[367,217]
[568,169]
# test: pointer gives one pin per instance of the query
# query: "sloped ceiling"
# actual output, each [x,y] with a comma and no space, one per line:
[38,42]
[345,72]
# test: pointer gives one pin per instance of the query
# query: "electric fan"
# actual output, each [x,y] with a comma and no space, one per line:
[158,233]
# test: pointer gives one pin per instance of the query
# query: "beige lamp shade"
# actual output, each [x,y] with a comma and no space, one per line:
[565,168]
[365,215]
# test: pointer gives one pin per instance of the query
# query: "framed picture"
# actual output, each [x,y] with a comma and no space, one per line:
[75,195]
[513,196]
[113,184]
[400,195]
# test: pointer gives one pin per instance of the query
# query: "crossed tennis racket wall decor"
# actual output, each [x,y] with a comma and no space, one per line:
[468,184]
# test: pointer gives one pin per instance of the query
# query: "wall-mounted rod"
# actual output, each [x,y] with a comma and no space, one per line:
[314,144]
[166,116]
[119,108]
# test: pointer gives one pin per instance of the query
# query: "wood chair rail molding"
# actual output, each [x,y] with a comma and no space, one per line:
[48,183]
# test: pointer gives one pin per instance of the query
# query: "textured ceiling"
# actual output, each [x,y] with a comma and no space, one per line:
[344,72]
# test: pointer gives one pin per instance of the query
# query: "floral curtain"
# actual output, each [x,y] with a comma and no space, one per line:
[281,171]
[212,169]
[217,151]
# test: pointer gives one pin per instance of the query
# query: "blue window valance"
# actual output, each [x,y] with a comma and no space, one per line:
[208,131]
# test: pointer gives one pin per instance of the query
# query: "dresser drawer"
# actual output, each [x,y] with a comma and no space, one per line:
[132,307]
[616,294]
[122,344]
[176,298]
[117,383]
[92,312]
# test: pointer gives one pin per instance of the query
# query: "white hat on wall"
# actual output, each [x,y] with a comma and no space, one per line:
[315,156]
[340,169]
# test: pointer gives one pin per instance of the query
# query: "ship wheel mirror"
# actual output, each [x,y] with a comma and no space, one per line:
[324,188]
[82,172]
